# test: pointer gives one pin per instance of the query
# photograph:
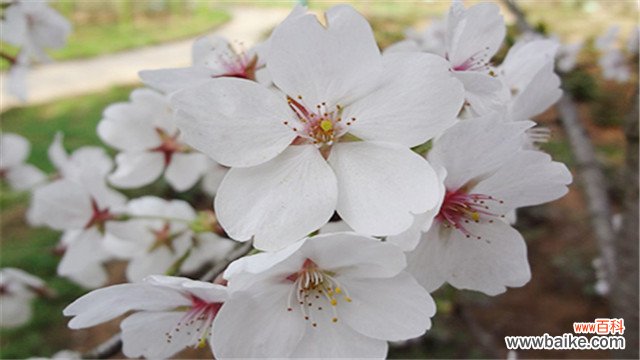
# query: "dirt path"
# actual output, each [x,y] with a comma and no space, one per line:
[69,78]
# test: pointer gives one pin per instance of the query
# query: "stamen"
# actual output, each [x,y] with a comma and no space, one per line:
[313,283]
[459,208]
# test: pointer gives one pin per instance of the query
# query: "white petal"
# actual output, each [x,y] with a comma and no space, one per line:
[24,177]
[185,170]
[525,59]
[108,303]
[16,311]
[288,259]
[338,341]
[381,185]
[418,99]
[156,262]
[136,169]
[354,255]
[408,239]
[236,122]
[209,248]
[529,178]
[132,125]
[542,92]
[94,158]
[56,152]
[16,83]
[427,262]
[479,34]
[144,334]
[83,258]
[481,91]
[336,64]
[15,24]
[14,150]
[263,318]
[62,205]
[490,142]
[214,173]
[387,309]
[490,264]
[280,201]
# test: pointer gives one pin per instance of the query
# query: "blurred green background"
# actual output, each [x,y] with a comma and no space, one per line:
[561,247]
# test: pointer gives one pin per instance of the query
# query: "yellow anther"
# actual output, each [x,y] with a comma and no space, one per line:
[475,216]
[334,302]
[338,290]
[202,343]
[326,125]
[334,320]
[348,299]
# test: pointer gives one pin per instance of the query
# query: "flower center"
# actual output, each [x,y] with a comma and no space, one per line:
[321,126]
[460,208]
[314,289]
[99,216]
[169,146]
[476,62]
[163,237]
[196,322]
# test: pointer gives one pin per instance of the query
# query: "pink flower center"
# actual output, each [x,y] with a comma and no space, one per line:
[321,126]
[164,237]
[476,62]
[169,146]
[239,66]
[99,216]
[196,321]
[460,208]
[314,290]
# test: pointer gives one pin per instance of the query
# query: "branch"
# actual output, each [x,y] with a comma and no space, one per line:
[592,177]
[593,183]
[624,295]
[112,346]
[521,21]
[11,59]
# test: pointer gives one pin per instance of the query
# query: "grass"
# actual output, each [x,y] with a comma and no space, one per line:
[90,40]
[111,32]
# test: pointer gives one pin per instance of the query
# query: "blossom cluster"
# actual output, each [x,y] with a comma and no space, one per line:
[32,27]
[364,180]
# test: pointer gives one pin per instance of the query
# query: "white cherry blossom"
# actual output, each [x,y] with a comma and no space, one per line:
[34,26]
[527,72]
[17,289]
[158,235]
[343,123]
[330,296]
[149,143]
[170,313]
[468,39]
[14,151]
[88,159]
[80,206]
[470,244]
[212,57]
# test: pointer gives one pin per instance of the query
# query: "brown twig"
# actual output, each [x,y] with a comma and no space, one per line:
[11,59]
